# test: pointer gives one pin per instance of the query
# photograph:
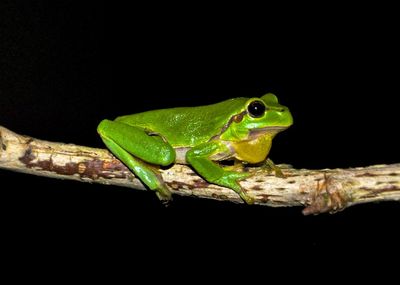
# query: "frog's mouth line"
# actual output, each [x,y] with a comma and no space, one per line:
[271,130]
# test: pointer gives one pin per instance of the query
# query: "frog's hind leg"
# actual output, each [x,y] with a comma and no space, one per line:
[134,147]
[145,172]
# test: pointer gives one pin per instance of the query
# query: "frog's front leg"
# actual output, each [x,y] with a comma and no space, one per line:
[134,147]
[200,158]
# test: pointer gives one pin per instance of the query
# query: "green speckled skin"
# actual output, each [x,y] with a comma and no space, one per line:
[240,129]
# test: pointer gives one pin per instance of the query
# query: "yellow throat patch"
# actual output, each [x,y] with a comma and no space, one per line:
[254,150]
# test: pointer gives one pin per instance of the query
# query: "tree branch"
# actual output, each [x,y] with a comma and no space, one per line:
[326,190]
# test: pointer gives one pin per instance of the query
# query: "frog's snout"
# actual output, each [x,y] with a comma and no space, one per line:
[285,116]
[289,117]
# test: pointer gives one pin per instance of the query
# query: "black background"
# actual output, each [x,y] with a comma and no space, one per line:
[67,65]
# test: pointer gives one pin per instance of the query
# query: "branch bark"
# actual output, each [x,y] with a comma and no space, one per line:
[326,190]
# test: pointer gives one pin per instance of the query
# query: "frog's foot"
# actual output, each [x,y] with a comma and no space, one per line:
[163,194]
[249,200]
[270,166]
[230,179]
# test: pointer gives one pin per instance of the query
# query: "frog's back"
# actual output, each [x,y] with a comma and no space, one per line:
[187,126]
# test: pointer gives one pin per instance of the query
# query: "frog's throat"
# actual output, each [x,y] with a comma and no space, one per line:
[256,147]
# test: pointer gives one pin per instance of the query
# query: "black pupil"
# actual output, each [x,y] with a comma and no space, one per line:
[256,109]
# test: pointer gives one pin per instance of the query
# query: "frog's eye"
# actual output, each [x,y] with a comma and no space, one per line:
[256,109]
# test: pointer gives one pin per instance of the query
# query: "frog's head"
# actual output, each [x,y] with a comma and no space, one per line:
[259,116]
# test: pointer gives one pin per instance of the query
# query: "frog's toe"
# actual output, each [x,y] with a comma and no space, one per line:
[166,203]
[246,198]
[164,194]
[164,199]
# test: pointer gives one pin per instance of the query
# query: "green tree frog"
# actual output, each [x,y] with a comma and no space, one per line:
[239,129]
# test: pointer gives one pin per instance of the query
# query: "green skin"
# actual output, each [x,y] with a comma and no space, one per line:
[198,136]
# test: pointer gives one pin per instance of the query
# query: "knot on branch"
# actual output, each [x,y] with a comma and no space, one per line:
[330,195]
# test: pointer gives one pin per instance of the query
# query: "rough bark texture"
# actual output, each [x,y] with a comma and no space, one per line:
[326,190]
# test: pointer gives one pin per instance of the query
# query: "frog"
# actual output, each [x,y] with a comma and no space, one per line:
[203,137]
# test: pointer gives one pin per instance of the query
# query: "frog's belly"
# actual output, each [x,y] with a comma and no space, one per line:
[252,151]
